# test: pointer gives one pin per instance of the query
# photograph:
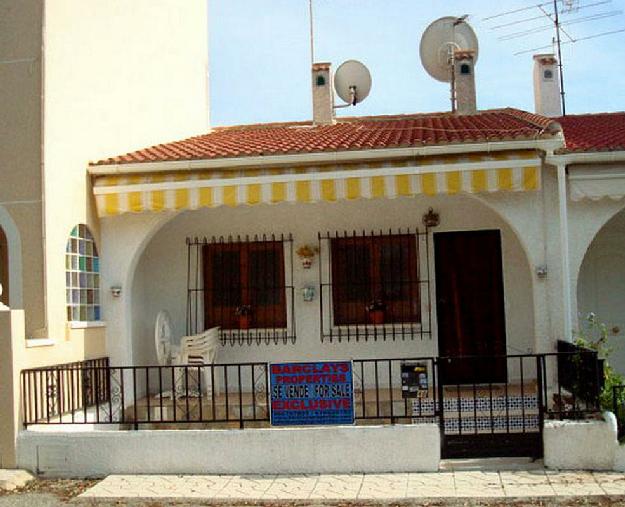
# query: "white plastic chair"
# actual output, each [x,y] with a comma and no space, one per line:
[197,350]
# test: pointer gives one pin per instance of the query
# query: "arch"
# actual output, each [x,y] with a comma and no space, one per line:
[12,237]
[600,283]
[162,235]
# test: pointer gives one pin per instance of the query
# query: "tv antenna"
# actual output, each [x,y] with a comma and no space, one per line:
[557,12]
[439,43]
[352,82]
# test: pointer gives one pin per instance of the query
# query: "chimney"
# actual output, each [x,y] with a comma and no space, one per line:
[322,94]
[546,86]
[464,70]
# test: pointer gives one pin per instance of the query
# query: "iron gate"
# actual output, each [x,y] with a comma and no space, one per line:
[500,419]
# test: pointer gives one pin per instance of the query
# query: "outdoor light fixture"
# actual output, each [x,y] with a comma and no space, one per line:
[541,271]
[116,291]
[431,219]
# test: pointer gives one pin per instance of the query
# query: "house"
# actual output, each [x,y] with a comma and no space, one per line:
[446,242]
[72,91]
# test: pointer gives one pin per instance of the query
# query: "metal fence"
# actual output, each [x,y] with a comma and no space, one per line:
[68,388]
[618,408]
[238,395]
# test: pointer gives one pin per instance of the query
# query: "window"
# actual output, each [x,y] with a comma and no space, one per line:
[321,81]
[82,276]
[375,280]
[465,69]
[244,285]
[548,75]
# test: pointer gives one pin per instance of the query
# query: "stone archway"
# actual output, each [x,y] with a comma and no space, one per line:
[601,284]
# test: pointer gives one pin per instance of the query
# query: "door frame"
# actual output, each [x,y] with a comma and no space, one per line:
[434,288]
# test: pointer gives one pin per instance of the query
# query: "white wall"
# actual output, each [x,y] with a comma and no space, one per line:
[161,276]
[120,75]
[340,449]
[581,445]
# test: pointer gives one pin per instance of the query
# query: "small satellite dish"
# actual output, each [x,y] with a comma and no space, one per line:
[440,39]
[352,82]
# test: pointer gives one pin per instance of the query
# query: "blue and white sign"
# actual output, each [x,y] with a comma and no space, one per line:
[319,393]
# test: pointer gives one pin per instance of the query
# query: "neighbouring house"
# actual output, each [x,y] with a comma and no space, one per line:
[444,241]
[79,80]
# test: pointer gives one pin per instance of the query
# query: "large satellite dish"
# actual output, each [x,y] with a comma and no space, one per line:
[439,41]
[352,82]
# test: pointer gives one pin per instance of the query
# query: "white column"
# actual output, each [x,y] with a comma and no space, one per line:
[564,251]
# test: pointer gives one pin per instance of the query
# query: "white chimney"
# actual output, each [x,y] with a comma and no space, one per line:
[546,86]
[322,94]
[464,77]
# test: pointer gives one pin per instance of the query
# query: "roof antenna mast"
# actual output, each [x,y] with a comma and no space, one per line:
[556,22]
[566,8]
[312,33]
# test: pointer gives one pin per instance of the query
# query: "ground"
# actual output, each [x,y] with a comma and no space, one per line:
[52,493]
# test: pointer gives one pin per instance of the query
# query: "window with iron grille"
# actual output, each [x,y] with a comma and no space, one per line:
[371,286]
[243,286]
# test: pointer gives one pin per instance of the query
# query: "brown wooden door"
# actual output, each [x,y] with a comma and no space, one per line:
[4,268]
[470,307]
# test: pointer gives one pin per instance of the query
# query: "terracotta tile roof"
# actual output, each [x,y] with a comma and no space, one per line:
[362,133]
[593,132]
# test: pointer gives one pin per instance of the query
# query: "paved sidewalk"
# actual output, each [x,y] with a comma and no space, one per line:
[446,484]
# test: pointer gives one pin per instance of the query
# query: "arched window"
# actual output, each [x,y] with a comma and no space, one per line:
[82,276]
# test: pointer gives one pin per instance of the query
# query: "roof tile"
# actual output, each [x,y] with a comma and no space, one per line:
[373,132]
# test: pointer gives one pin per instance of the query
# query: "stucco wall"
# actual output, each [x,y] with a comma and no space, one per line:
[340,449]
[119,76]
[155,287]
[20,152]
[580,445]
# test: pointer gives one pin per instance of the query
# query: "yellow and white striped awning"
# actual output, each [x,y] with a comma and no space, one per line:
[176,190]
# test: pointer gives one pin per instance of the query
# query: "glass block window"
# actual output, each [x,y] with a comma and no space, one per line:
[82,276]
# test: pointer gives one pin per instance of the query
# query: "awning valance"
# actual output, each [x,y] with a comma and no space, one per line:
[596,183]
[171,191]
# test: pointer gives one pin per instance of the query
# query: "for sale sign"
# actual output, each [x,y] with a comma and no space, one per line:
[319,393]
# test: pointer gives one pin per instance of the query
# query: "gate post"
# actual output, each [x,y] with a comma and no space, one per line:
[540,379]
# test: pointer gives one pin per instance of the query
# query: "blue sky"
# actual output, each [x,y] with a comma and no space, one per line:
[260,56]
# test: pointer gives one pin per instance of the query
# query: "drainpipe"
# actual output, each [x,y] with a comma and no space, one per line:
[564,250]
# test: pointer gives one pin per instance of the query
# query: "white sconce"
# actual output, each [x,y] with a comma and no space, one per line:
[308,293]
[541,271]
[116,291]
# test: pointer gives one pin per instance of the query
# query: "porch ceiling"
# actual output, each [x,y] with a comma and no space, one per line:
[474,173]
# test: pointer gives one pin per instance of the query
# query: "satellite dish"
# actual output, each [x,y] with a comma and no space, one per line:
[352,82]
[440,39]
[163,337]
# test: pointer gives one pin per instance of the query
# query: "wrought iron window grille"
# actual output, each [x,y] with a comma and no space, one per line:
[244,285]
[374,285]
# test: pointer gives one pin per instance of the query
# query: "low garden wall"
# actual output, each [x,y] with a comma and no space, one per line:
[582,445]
[339,449]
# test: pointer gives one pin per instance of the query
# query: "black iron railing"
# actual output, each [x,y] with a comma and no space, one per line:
[374,285]
[68,388]
[618,408]
[237,394]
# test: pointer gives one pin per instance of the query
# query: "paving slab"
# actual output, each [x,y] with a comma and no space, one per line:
[318,487]
[13,479]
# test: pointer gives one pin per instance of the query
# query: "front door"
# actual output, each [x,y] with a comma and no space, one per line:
[4,268]
[470,307]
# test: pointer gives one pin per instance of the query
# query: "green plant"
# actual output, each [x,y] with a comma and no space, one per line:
[593,335]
